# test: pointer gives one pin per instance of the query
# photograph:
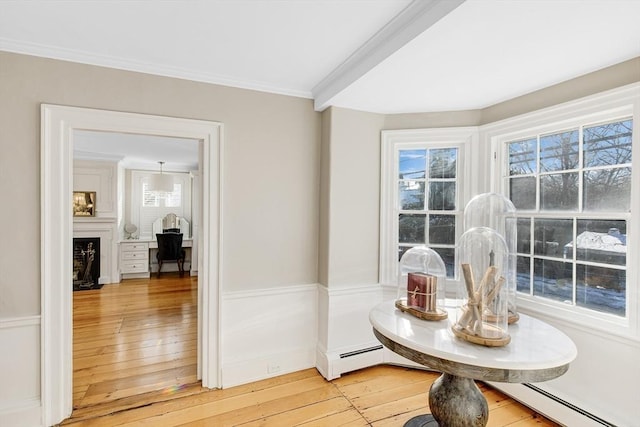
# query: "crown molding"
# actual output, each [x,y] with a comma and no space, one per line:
[88,155]
[416,18]
[89,58]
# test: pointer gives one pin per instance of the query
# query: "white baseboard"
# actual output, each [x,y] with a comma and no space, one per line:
[547,406]
[332,365]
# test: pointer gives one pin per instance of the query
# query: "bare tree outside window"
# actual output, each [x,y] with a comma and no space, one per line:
[556,180]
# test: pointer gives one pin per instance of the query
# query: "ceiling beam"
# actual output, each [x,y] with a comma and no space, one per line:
[416,18]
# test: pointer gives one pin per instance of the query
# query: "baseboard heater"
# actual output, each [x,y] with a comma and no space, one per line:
[570,406]
[361,351]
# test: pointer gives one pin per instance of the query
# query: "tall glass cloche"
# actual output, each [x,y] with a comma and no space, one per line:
[498,212]
[481,316]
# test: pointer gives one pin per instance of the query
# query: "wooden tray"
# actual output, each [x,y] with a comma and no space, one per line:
[498,340]
[513,318]
[424,315]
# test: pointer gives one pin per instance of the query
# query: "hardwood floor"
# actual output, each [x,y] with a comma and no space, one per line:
[134,337]
[135,364]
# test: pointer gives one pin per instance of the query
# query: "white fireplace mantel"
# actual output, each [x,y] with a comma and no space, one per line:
[106,230]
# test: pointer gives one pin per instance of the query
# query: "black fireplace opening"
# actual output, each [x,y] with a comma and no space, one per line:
[86,263]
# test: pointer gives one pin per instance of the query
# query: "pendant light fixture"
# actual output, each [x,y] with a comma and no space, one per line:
[160,182]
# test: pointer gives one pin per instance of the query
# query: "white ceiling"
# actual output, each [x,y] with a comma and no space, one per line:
[385,56]
[137,151]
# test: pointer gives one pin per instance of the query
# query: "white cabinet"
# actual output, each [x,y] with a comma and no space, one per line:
[134,259]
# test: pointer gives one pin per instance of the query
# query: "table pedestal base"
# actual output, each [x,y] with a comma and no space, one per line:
[422,421]
[457,401]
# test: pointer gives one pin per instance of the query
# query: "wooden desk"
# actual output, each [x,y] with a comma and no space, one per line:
[537,352]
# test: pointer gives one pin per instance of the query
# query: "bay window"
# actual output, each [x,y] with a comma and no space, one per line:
[569,172]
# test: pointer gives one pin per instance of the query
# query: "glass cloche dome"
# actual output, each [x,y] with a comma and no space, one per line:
[481,316]
[498,212]
[421,280]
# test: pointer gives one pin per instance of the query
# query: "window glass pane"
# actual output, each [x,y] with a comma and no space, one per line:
[442,196]
[559,151]
[603,241]
[448,256]
[523,192]
[411,228]
[551,236]
[442,163]
[607,189]
[412,164]
[174,199]
[553,280]
[602,289]
[411,195]
[442,229]
[608,144]
[149,198]
[559,191]
[523,235]
[523,274]
[522,157]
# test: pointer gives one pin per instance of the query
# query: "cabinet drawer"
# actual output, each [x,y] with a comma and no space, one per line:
[134,267]
[137,255]
[129,247]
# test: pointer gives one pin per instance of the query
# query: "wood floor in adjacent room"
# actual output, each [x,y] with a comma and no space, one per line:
[135,364]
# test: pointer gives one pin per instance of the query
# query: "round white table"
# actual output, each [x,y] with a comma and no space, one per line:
[537,352]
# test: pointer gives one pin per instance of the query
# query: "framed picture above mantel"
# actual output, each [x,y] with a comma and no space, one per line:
[84,203]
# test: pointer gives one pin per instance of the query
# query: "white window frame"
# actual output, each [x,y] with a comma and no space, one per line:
[462,138]
[610,105]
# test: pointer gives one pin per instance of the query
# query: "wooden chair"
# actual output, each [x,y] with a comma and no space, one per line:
[170,249]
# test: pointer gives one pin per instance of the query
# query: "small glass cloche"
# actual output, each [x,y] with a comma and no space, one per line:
[481,316]
[421,280]
[496,211]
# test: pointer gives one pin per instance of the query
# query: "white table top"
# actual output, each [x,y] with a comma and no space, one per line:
[535,345]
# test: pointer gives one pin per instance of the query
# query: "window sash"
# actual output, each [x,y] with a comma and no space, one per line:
[431,139]
[597,109]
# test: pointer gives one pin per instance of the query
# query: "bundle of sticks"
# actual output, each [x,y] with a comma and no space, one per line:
[471,319]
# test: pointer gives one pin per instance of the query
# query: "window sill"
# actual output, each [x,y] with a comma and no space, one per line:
[606,326]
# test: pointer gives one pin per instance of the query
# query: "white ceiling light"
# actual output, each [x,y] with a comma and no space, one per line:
[161,182]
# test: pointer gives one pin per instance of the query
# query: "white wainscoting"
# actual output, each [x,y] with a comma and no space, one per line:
[106,230]
[345,337]
[20,372]
[268,332]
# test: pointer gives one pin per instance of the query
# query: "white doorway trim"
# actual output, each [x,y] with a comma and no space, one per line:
[56,180]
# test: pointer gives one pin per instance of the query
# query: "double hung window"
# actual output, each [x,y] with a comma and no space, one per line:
[569,172]
[422,193]
[572,190]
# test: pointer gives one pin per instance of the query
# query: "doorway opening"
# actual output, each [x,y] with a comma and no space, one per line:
[135,340]
[58,124]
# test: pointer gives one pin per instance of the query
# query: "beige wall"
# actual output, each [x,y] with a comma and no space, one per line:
[350,197]
[270,182]
[608,78]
